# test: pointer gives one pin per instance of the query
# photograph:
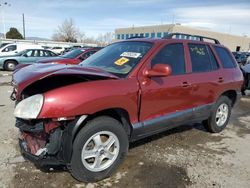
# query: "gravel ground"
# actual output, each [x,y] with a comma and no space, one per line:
[187,156]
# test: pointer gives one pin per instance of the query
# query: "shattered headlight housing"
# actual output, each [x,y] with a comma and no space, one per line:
[30,107]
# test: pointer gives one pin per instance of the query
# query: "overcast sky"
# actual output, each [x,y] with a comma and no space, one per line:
[94,17]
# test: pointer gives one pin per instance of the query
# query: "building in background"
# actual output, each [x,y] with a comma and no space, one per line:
[233,42]
[47,43]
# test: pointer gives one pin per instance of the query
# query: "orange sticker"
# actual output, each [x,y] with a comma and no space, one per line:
[121,61]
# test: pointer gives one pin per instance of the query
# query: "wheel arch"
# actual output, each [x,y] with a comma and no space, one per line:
[231,94]
[6,61]
[75,126]
[119,114]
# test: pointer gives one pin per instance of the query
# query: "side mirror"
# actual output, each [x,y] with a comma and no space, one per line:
[159,70]
[25,55]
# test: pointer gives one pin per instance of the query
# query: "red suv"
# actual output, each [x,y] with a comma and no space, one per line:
[84,116]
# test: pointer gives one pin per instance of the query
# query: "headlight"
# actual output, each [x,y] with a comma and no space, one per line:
[30,107]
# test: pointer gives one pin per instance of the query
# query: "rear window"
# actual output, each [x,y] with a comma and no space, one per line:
[225,57]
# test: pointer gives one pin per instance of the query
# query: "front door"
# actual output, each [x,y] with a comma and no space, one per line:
[166,101]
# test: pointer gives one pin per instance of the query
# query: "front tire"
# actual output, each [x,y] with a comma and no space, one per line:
[10,65]
[220,115]
[98,149]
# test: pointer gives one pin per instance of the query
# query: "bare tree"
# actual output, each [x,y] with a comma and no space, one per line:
[105,39]
[81,37]
[67,32]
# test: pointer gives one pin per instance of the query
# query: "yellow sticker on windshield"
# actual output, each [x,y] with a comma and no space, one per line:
[121,61]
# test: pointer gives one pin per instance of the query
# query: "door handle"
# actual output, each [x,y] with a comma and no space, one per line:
[220,80]
[185,84]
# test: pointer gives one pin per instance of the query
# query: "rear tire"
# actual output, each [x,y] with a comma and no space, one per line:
[98,149]
[10,65]
[220,115]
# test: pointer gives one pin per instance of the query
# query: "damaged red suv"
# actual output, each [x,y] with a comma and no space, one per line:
[84,116]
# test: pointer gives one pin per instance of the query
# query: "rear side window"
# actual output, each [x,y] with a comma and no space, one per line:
[173,55]
[50,53]
[43,53]
[202,58]
[225,57]
[213,60]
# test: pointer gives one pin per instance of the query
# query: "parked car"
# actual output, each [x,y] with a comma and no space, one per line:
[248,59]
[68,50]
[72,57]
[9,63]
[241,57]
[57,49]
[246,73]
[4,44]
[14,48]
[84,116]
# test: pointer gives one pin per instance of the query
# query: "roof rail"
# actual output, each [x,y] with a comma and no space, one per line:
[201,38]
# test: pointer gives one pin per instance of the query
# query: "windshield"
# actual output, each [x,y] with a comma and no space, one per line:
[73,53]
[118,58]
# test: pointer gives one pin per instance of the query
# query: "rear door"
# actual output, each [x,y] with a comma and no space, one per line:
[31,56]
[206,78]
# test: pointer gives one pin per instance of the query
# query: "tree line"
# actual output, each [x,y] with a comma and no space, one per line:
[69,32]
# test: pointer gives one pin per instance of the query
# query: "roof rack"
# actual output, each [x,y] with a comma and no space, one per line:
[201,38]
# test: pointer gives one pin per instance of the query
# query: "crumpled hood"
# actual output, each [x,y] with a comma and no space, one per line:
[27,75]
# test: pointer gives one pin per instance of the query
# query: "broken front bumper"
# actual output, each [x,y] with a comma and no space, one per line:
[41,161]
[41,142]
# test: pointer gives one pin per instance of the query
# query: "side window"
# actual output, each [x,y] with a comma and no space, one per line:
[28,53]
[225,58]
[42,53]
[33,53]
[200,58]
[92,52]
[9,48]
[36,53]
[87,54]
[51,53]
[173,55]
[213,60]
